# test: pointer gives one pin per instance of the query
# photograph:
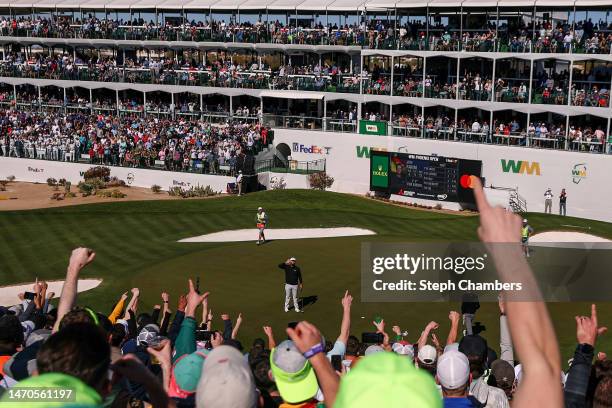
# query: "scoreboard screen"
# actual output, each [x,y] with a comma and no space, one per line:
[420,176]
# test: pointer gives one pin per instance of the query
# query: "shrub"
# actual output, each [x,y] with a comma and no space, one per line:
[175,191]
[320,181]
[103,194]
[115,182]
[197,191]
[11,178]
[61,182]
[69,194]
[117,194]
[3,184]
[99,172]
[67,186]
[156,188]
[51,182]
[85,188]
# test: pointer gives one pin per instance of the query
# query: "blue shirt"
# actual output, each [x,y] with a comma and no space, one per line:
[460,403]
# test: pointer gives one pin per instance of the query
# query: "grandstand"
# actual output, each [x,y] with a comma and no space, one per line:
[324,65]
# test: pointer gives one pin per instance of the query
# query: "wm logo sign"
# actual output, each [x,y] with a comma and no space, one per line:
[364,151]
[520,167]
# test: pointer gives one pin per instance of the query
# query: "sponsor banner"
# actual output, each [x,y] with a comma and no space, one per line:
[38,171]
[379,176]
[311,149]
[371,127]
[530,171]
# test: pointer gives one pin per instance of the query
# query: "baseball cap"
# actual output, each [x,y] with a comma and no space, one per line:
[259,208]
[503,372]
[293,374]
[292,259]
[387,380]
[148,333]
[453,370]
[186,374]
[403,349]
[473,345]
[226,380]
[524,219]
[427,354]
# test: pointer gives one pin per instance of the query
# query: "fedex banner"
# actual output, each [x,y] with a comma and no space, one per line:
[584,176]
[38,171]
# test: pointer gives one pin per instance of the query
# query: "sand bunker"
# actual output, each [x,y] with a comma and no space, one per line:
[569,239]
[8,294]
[274,234]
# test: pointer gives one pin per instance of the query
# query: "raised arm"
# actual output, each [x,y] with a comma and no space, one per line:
[79,259]
[505,340]
[577,383]
[454,318]
[425,334]
[345,326]
[132,305]
[118,308]
[237,326]
[270,336]
[534,340]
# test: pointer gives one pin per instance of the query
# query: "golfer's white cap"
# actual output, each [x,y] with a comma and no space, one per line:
[259,208]
[524,219]
[292,259]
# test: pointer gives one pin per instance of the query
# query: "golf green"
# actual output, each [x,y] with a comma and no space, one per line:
[136,245]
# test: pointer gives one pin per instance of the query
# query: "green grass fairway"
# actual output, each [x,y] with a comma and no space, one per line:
[136,246]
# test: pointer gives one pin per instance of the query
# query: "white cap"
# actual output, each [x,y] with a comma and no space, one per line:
[453,370]
[259,208]
[292,259]
[524,219]
[373,349]
[226,380]
[427,354]
[403,350]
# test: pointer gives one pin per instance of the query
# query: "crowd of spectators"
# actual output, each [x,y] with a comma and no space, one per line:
[539,134]
[583,36]
[182,357]
[178,144]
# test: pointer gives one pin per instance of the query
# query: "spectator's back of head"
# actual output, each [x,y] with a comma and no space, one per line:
[502,376]
[603,394]
[453,372]
[475,348]
[226,381]
[387,380]
[352,346]
[79,350]
[11,334]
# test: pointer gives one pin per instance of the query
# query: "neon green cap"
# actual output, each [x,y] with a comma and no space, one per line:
[387,380]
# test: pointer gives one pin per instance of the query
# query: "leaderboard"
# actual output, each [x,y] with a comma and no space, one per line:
[426,177]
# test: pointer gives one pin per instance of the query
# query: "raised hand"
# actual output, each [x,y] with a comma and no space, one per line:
[454,316]
[587,329]
[347,300]
[496,224]
[80,258]
[193,300]
[304,336]
[380,326]
[239,319]
[135,292]
[182,303]
[431,326]
[268,331]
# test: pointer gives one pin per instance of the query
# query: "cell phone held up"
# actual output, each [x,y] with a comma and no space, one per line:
[204,335]
[29,295]
[372,338]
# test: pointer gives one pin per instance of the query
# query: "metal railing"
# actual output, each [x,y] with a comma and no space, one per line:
[275,164]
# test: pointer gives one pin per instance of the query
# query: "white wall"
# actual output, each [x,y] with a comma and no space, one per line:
[40,170]
[588,197]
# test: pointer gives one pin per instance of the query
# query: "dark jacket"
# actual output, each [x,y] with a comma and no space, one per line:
[293,274]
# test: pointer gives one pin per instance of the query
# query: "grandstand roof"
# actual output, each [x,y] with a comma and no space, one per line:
[312,5]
